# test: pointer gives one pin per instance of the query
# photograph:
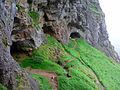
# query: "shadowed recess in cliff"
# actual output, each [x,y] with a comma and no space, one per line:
[48,30]
[19,47]
[16,20]
[75,35]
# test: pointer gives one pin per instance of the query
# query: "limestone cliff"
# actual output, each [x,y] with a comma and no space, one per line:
[10,70]
[23,28]
[61,19]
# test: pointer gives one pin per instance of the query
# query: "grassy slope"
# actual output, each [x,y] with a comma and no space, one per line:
[2,87]
[43,82]
[78,65]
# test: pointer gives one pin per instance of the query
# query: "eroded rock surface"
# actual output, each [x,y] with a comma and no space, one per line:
[63,17]
[10,70]
[23,26]
[27,32]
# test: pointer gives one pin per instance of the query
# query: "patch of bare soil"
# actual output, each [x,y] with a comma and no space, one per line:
[52,77]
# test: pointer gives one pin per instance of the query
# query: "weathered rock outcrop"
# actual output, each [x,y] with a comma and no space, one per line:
[22,27]
[61,18]
[10,70]
[27,29]
[84,17]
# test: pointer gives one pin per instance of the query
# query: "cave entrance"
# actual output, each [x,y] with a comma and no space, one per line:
[48,30]
[17,51]
[14,49]
[75,35]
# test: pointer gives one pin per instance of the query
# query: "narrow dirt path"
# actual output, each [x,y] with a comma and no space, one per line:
[52,77]
[99,84]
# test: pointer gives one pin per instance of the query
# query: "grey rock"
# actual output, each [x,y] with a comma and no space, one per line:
[9,68]
[24,34]
[83,16]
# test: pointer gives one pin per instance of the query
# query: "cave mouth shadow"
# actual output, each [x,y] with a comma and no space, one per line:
[75,35]
[14,49]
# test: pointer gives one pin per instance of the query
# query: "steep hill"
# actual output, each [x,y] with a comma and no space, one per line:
[61,19]
[56,45]
[75,66]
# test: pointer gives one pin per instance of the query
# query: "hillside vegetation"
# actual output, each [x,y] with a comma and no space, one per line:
[77,66]
[2,87]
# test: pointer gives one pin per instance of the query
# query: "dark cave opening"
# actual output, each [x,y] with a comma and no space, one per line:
[29,1]
[17,53]
[15,48]
[48,30]
[16,20]
[22,47]
[46,17]
[75,35]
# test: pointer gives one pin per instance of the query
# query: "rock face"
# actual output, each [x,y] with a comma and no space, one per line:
[22,27]
[61,18]
[27,32]
[9,68]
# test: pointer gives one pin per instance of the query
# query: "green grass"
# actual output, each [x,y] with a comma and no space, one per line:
[2,87]
[106,70]
[45,65]
[74,83]
[43,59]
[35,16]
[44,83]
[80,65]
